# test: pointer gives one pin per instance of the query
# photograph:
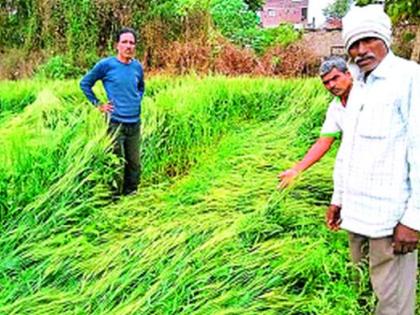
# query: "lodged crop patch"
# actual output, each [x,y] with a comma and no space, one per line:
[208,232]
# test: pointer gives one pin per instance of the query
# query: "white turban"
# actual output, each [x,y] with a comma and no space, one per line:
[367,21]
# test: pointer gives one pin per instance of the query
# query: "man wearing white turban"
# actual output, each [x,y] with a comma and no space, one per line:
[377,184]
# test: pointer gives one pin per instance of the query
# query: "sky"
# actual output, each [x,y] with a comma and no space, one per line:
[315,10]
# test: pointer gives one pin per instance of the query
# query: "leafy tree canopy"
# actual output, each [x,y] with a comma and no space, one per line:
[397,9]
[232,17]
[254,5]
[337,9]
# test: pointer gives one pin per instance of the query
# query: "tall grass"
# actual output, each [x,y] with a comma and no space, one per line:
[15,96]
[207,234]
[181,121]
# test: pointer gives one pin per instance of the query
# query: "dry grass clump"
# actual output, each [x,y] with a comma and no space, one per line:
[17,64]
[188,56]
[233,60]
[292,61]
[222,57]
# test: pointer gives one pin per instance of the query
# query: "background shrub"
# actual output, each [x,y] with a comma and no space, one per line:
[58,67]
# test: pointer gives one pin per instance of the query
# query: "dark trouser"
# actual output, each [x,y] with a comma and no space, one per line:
[127,146]
[393,277]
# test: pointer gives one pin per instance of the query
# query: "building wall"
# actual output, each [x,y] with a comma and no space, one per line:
[280,11]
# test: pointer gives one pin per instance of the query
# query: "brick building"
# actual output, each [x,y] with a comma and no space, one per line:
[275,12]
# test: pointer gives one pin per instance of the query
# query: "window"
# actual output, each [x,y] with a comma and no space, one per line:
[271,12]
[304,14]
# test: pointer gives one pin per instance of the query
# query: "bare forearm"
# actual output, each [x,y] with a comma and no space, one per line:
[315,153]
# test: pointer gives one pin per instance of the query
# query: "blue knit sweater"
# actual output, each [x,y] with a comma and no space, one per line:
[124,86]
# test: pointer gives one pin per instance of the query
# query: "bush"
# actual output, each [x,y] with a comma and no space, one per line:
[58,67]
[234,20]
[283,35]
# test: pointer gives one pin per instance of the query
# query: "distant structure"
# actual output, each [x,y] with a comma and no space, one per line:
[301,13]
[333,24]
[275,12]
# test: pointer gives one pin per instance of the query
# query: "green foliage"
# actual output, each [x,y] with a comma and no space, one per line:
[58,67]
[70,36]
[282,35]
[15,96]
[77,28]
[239,24]
[408,36]
[184,7]
[14,17]
[409,9]
[233,19]
[80,28]
[337,9]
[255,5]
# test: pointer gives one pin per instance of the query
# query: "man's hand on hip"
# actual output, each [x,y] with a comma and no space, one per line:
[405,239]
[333,217]
[106,108]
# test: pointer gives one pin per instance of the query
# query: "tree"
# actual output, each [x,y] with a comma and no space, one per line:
[337,9]
[233,18]
[254,5]
[400,10]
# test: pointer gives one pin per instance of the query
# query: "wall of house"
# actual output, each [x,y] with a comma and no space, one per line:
[277,11]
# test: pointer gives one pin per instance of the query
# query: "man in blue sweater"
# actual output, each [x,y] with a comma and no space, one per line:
[122,78]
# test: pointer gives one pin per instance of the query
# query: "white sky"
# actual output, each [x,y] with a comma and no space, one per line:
[315,10]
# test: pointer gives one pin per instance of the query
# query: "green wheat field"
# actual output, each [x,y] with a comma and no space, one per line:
[208,232]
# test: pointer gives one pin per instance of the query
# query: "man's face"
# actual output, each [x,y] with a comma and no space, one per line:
[368,53]
[126,46]
[337,82]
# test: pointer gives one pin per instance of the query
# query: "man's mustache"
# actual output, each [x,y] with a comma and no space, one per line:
[362,58]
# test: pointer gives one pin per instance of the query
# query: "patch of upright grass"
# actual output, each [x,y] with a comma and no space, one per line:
[14,96]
